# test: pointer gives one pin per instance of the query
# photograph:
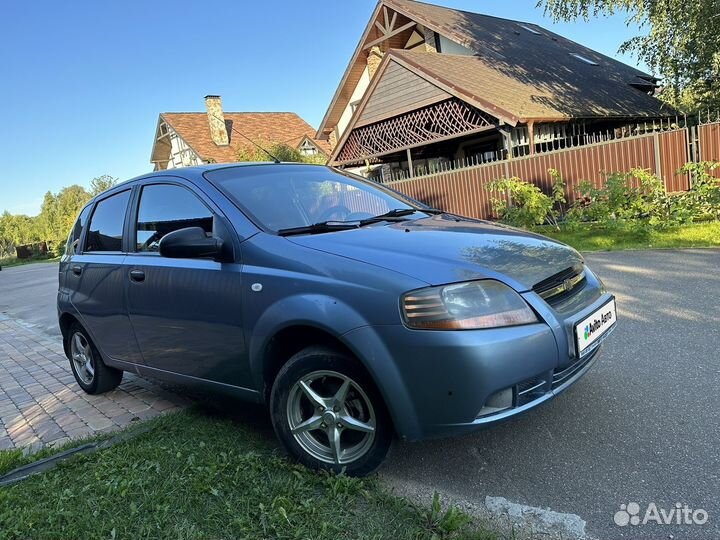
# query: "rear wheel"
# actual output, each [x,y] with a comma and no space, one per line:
[327,413]
[90,372]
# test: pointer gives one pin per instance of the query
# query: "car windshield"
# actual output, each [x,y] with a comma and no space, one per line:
[285,197]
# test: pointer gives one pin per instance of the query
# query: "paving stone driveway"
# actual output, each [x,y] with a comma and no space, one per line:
[41,404]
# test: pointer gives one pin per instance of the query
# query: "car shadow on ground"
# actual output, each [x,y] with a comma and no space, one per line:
[252,416]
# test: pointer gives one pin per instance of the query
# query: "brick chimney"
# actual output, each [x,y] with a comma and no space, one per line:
[375,56]
[216,119]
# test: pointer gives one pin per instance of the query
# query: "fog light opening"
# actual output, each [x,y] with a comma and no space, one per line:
[497,402]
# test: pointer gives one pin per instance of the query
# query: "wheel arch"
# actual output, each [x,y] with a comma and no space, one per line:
[306,320]
[65,321]
[291,339]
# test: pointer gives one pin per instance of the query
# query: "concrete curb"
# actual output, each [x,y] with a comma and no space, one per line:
[49,463]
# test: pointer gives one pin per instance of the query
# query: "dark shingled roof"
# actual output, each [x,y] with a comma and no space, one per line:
[530,74]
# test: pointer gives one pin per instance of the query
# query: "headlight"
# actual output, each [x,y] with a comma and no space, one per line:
[465,306]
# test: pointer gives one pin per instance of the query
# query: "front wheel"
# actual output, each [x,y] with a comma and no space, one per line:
[328,414]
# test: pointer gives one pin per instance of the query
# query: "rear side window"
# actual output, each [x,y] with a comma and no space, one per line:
[76,232]
[165,208]
[106,225]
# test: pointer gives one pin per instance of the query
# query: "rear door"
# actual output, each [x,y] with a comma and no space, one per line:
[186,313]
[95,278]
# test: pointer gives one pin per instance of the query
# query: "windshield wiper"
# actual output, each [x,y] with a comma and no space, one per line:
[329,226]
[323,226]
[392,215]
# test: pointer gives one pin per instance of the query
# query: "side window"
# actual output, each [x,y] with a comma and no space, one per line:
[106,225]
[76,232]
[166,208]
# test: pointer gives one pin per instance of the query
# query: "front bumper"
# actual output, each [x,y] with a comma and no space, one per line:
[440,383]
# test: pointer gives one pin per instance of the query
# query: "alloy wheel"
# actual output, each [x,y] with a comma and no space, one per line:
[82,359]
[331,417]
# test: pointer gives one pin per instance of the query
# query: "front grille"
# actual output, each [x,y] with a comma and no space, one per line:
[560,376]
[529,390]
[561,286]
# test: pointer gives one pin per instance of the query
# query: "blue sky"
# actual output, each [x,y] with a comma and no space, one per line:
[82,82]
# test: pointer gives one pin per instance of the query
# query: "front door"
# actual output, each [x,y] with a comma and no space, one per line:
[186,313]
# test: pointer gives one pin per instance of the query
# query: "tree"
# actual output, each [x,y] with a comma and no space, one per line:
[57,216]
[281,151]
[682,43]
[101,183]
[70,201]
[46,223]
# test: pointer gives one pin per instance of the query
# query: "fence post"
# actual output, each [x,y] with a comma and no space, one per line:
[658,166]
[694,155]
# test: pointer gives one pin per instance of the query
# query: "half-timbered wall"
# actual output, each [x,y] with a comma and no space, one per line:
[181,155]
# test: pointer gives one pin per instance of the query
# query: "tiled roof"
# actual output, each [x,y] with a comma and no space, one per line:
[530,70]
[261,127]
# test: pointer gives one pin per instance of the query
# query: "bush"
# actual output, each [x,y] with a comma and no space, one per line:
[704,195]
[281,151]
[636,200]
[526,205]
[640,195]
[618,198]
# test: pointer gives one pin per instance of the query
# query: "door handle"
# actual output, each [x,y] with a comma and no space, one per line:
[137,275]
[77,270]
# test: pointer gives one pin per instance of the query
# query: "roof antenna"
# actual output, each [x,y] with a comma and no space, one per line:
[256,145]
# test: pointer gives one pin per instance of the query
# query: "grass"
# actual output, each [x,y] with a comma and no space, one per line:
[199,476]
[14,261]
[593,237]
[17,457]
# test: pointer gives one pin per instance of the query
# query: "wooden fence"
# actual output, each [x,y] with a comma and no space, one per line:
[463,191]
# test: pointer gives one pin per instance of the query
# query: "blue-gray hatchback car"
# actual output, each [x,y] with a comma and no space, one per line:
[356,313]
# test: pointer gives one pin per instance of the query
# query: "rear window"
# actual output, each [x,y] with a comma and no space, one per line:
[284,197]
[105,231]
[76,232]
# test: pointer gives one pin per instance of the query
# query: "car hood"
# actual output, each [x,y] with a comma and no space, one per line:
[445,249]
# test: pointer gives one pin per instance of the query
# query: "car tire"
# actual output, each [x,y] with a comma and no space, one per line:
[90,372]
[322,427]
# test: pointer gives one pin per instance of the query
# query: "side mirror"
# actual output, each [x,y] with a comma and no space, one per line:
[191,243]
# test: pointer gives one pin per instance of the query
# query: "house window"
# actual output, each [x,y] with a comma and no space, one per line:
[584,59]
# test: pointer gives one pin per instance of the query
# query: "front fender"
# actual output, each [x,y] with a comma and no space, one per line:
[347,326]
[378,360]
[319,311]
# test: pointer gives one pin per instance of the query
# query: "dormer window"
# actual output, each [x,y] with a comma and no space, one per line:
[584,59]
[530,29]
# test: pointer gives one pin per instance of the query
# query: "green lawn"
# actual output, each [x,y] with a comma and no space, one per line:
[599,238]
[14,261]
[194,475]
